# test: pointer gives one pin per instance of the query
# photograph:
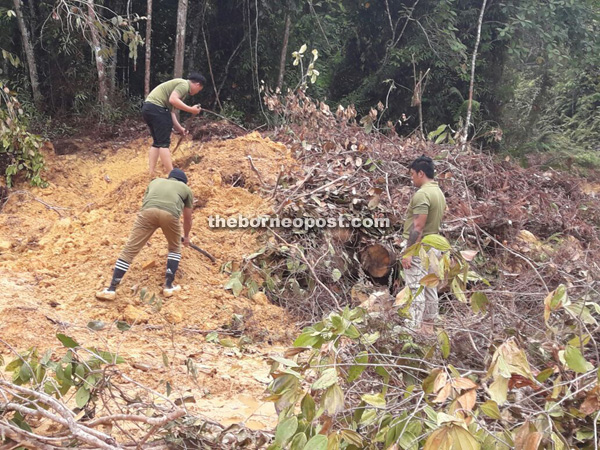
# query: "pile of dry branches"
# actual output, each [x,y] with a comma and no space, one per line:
[352,169]
[532,231]
[121,413]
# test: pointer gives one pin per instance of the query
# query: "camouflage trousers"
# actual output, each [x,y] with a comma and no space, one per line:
[424,307]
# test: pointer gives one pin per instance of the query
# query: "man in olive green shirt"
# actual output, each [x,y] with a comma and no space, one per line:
[159,115]
[423,217]
[164,202]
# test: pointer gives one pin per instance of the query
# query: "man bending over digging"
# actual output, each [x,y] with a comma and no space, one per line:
[159,115]
[164,202]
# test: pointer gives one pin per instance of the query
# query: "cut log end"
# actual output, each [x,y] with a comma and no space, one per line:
[377,260]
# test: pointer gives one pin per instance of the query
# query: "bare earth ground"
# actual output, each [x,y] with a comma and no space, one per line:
[54,256]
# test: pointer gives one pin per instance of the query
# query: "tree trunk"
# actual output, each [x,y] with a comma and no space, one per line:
[196,10]
[29,54]
[148,48]
[180,38]
[465,131]
[112,69]
[100,64]
[226,71]
[377,261]
[286,36]
[212,77]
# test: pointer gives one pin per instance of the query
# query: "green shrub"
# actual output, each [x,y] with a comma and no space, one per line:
[19,149]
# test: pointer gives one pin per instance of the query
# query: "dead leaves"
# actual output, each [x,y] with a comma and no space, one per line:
[527,437]
[508,360]
[451,437]
[462,391]
[591,404]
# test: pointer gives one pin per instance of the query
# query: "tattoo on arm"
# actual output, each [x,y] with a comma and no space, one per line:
[413,237]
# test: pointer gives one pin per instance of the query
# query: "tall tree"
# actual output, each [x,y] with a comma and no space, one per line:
[286,37]
[148,47]
[180,38]
[196,13]
[465,131]
[208,59]
[29,54]
[97,48]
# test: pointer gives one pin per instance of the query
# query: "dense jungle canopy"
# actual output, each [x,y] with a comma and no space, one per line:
[536,84]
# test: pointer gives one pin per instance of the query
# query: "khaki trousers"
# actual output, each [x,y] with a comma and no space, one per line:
[424,307]
[146,223]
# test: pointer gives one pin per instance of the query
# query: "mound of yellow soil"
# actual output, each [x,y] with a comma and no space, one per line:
[58,246]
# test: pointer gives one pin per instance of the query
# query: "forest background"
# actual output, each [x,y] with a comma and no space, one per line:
[536,85]
[520,77]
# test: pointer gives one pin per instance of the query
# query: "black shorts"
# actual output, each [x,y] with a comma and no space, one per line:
[160,123]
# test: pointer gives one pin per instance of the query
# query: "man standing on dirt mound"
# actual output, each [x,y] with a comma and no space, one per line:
[164,202]
[423,217]
[161,118]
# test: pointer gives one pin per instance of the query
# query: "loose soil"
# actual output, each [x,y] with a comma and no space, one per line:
[58,246]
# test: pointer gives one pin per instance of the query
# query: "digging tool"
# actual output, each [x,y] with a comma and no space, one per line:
[181,137]
[178,143]
[204,252]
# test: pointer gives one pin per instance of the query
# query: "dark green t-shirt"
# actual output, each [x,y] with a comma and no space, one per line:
[168,194]
[430,200]
[161,93]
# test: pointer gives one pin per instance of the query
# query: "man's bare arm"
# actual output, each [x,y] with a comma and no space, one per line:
[416,232]
[176,123]
[187,225]
[175,100]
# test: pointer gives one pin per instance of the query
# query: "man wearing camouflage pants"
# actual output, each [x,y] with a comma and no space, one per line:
[423,217]
[164,202]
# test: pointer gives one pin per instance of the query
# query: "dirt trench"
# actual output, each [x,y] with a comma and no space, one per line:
[58,246]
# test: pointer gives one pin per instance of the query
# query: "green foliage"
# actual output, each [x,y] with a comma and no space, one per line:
[19,149]
[79,370]
[231,112]
[311,73]
[442,134]
[535,78]
[353,381]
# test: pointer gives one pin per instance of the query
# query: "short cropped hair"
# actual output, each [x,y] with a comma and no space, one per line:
[197,77]
[424,164]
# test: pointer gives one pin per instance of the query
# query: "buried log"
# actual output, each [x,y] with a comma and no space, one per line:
[377,261]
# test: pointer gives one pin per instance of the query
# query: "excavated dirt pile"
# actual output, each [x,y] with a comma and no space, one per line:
[58,245]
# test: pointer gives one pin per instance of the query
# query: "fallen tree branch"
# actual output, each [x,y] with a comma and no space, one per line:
[284,203]
[25,438]
[255,170]
[65,416]
[56,209]
[173,415]
[311,268]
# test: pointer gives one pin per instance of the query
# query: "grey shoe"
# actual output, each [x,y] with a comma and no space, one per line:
[106,294]
[168,292]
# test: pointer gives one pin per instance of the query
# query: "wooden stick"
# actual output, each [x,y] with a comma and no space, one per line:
[255,170]
[178,144]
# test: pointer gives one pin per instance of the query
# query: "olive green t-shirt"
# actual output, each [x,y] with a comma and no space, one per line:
[168,194]
[161,93]
[430,200]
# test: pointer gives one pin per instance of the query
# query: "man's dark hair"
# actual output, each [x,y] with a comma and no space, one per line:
[424,164]
[179,175]
[197,77]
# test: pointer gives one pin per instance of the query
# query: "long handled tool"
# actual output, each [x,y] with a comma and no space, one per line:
[204,252]
[181,137]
